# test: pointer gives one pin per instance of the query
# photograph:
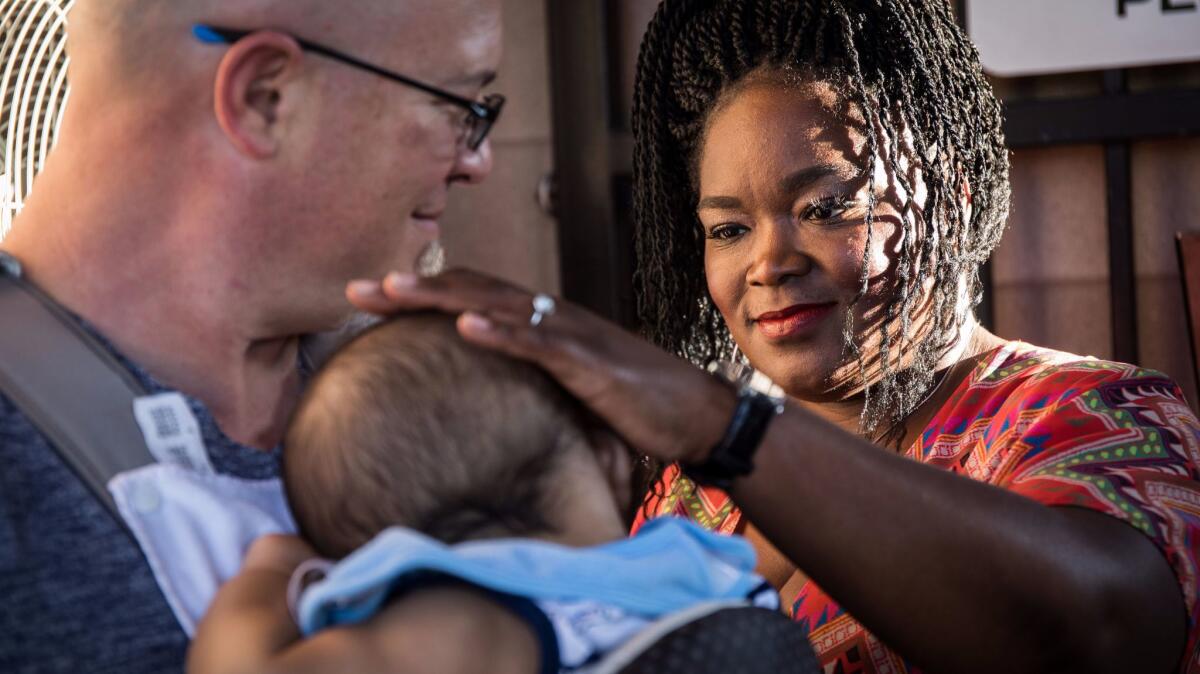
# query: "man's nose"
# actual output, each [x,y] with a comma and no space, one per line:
[472,166]
[777,254]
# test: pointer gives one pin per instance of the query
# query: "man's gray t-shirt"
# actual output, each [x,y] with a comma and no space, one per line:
[76,594]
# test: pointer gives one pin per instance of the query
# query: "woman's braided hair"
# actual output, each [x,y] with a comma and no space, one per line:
[913,74]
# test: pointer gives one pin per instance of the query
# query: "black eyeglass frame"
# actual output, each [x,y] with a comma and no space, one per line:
[482,115]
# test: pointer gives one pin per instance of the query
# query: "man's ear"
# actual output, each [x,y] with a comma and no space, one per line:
[249,91]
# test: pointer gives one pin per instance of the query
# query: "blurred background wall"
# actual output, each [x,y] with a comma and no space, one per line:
[1106,169]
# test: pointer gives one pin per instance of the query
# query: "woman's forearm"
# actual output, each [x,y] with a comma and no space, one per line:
[955,574]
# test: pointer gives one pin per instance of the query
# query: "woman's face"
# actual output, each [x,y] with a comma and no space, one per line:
[783,202]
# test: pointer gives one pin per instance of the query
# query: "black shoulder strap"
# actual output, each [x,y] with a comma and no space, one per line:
[68,385]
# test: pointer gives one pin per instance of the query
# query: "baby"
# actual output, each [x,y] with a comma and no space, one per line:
[476,511]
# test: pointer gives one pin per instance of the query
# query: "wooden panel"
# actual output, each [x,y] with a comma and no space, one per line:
[1056,231]
[524,75]
[1051,269]
[1163,333]
[498,226]
[1164,202]
[1189,264]
[589,243]
[1068,316]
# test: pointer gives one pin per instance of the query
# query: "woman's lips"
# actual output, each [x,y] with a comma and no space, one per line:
[796,320]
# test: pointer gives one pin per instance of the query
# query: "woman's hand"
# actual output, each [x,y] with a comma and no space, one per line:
[660,404]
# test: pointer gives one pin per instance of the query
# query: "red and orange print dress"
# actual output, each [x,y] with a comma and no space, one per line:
[1054,427]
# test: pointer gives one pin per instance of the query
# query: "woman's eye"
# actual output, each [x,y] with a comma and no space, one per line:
[827,208]
[726,232]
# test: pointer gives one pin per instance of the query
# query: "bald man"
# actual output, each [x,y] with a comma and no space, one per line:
[206,205]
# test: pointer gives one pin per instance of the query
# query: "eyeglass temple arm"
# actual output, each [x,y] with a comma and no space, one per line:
[214,35]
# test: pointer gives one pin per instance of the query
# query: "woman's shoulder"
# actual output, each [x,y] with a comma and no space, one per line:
[1025,374]
[1016,359]
[1019,392]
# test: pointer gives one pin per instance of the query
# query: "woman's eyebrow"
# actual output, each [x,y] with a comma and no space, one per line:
[804,178]
[794,183]
[720,203]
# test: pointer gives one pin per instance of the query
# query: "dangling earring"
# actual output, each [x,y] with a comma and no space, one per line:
[734,369]
[432,260]
[744,373]
[740,366]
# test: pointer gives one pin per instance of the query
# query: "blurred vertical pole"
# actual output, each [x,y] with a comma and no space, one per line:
[1122,282]
[589,245]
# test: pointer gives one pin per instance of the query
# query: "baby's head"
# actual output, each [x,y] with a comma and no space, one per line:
[408,425]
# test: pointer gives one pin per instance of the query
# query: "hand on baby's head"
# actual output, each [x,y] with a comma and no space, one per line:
[408,425]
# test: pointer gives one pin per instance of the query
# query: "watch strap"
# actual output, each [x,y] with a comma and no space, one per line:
[733,456]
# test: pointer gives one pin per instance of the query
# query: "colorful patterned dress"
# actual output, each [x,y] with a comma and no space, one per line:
[1054,427]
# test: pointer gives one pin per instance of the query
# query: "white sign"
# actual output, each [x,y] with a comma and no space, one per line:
[1034,37]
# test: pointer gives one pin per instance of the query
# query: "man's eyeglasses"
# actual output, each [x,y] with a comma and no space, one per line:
[481,115]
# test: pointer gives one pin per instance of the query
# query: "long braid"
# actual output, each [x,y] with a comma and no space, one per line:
[916,79]
[849,332]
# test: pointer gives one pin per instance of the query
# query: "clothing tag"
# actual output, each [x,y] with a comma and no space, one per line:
[171,431]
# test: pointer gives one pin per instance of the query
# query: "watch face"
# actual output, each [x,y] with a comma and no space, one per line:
[736,372]
[741,375]
[763,384]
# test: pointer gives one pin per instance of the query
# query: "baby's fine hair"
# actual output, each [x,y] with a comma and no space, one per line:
[408,425]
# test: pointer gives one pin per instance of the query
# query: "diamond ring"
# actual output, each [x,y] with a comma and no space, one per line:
[543,306]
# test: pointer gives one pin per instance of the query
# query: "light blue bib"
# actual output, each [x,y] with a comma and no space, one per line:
[671,565]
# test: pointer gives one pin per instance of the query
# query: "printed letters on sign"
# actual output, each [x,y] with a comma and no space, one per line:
[1167,5]
[1037,37]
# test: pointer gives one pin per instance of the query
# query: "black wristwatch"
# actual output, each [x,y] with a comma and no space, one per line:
[733,456]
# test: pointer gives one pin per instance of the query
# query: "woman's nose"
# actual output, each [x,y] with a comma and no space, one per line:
[777,254]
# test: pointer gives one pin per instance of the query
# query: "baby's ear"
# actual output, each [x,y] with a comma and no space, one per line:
[616,462]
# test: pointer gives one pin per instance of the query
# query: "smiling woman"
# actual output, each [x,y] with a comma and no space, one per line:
[782,195]
[864,109]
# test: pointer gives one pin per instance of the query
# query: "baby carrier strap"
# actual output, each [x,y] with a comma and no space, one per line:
[68,385]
